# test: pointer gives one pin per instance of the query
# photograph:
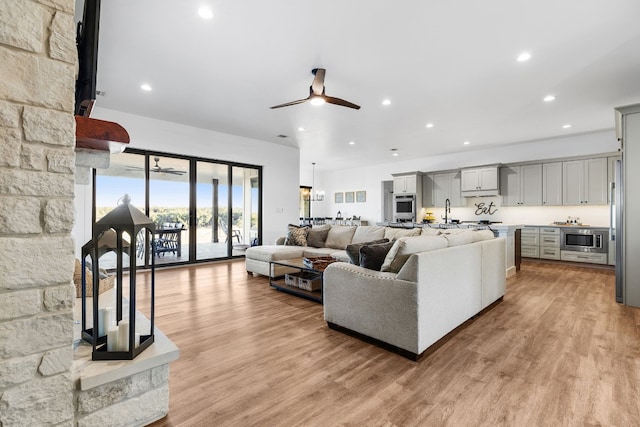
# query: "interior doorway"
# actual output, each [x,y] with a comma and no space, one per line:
[387,201]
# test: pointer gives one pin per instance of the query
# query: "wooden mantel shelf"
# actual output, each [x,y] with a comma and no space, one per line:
[97,134]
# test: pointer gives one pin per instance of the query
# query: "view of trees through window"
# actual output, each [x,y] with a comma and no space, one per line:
[213,227]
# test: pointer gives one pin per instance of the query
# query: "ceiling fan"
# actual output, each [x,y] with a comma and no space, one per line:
[158,169]
[317,95]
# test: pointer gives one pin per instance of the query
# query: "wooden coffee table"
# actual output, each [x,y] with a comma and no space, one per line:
[280,284]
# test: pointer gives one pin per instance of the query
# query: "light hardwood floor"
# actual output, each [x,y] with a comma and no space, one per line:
[557,351]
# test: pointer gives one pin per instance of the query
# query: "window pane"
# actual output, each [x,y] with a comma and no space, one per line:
[212,195]
[169,207]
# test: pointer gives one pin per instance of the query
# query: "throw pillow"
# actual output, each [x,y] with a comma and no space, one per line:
[458,239]
[372,256]
[340,236]
[405,246]
[296,236]
[353,250]
[393,233]
[480,235]
[318,235]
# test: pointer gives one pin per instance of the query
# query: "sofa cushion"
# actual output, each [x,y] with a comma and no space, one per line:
[273,253]
[310,251]
[367,233]
[480,235]
[353,250]
[463,238]
[317,236]
[428,231]
[393,233]
[296,236]
[405,246]
[372,256]
[340,236]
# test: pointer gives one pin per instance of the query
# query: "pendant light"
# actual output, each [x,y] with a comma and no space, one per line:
[315,196]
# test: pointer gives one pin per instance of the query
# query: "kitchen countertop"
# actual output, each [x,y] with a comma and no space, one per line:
[569,226]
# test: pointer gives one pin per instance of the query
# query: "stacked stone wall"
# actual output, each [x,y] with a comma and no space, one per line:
[37,139]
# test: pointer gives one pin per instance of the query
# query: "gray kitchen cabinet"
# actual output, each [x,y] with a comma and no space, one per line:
[584,182]
[550,242]
[427,191]
[407,184]
[552,184]
[480,179]
[611,174]
[447,186]
[521,185]
[530,241]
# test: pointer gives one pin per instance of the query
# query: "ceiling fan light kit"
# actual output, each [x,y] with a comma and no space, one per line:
[317,95]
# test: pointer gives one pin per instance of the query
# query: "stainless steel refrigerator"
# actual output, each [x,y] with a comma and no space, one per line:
[626,207]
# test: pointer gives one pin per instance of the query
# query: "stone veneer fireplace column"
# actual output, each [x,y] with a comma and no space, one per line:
[37,78]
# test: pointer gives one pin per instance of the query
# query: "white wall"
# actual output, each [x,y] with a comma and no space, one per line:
[281,166]
[368,178]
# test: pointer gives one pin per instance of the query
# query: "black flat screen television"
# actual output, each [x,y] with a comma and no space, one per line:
[87,44]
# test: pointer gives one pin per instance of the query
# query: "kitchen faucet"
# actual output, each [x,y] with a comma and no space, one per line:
[447,210]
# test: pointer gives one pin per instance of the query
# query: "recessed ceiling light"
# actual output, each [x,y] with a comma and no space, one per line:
[205,12]
[386,102]
[524,56]
[300,129]
[352,143]
[467,142]
[429,125]
[145,87]
[395,154]
[567,126]
[549,98]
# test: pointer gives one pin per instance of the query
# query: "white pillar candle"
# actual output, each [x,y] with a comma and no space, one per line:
[100,324]
[137,340]
[109,318]
[112,338]
[123,335]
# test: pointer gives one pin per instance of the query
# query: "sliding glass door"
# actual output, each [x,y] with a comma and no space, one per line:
[203,209]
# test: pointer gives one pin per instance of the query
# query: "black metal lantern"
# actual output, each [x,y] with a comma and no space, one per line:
[128,233]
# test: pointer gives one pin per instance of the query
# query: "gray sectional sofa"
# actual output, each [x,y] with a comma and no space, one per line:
[432,282]
[432,294]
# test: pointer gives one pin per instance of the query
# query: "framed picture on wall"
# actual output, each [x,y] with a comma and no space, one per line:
[348,196]
[338,197]
[361,196]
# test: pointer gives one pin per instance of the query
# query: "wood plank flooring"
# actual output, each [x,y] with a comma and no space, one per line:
[558,351]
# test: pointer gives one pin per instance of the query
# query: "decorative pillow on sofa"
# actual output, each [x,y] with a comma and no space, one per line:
[457,239]
[340,236]
[318,235]
[428,231]
[393,233]
[480,235]
[353,250]
[367,233]
[405,246]
[296,236]
[372,256]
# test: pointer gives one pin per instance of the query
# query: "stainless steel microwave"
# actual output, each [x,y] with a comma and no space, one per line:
[593,240]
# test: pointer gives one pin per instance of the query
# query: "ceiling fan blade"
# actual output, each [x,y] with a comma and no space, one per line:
[318,81]
[341,102]
[299,101]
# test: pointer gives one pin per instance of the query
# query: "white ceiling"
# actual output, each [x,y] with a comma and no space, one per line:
[450,63]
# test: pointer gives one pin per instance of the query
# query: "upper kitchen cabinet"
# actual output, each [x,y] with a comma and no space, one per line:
[480,181]
[446,185]
[552,184]
[410,183]
[584,182]
[521,185]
